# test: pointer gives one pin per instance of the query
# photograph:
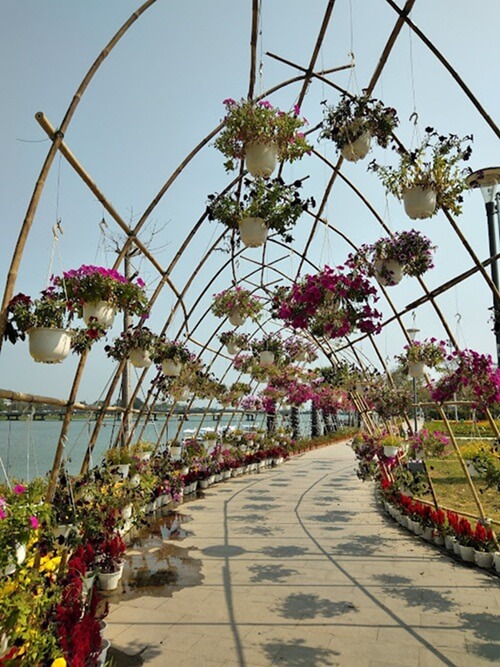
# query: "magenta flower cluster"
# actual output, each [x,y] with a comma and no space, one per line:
[475,372]
[331,303]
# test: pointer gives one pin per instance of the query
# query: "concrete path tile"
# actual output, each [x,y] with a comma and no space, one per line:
[297,566]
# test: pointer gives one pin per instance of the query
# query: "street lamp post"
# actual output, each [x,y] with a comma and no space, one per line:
[412,335]
[488,180]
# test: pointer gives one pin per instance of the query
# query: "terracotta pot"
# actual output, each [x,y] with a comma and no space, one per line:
[253,232]
[261,159]
[49,346]
[357,149]
[102,311]
[419,203]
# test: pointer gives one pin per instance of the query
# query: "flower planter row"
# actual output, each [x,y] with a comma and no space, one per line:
[483,559]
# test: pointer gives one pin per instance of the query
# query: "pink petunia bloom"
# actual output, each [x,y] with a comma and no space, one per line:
[18,489]
[2,514]
[34,522]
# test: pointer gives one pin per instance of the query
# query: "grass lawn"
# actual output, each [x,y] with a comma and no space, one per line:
[453,491]
[464,429]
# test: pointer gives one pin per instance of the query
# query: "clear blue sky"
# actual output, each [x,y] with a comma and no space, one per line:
[160,92]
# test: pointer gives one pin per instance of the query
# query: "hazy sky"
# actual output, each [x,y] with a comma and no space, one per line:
[160,92]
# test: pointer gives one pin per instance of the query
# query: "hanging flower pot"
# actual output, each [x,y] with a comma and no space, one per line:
[416,369]
[49,346]
[388,272]
[266,358]
[232,348]
[140,358]
[236,319]
[419,203]
[175,452]
[103,311]
[390,451]
[171,368]
[357,149]
[253,232]
[181,394]
[261,159]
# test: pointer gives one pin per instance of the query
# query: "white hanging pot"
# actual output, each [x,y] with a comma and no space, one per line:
[232,348]
[416,369]
[49,346]
[175,452]
[266,358]
[140,358]
[171,368]
[357,149]
[301,356]
[253,232]
[419,203]
[102,311]
[181,394]
[261,159]
[388,272]
[390,451]
[236,319]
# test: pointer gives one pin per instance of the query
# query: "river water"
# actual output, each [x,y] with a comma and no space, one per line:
[27,447]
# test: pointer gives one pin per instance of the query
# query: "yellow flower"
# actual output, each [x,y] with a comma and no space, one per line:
[59,662]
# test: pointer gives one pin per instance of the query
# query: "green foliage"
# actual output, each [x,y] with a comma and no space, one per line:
[434,165]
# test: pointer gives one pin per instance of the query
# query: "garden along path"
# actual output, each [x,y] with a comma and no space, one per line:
[299,566]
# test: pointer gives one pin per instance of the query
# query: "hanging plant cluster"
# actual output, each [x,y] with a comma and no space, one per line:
[331,303]
[264,205]
[355,121]
[238,304]
[430,177]
[390,258]
[419,354]
[261,134]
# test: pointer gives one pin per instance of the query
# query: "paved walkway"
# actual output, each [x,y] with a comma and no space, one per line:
[297,566]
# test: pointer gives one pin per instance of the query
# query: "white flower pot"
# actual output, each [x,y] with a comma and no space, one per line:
[253,232]
[62,530]
[103,655]
[49,346]
[449,542]
[88,583]
[390,451]
[483,559]
[388,272]
[496,561]
[467,554]
[175,452]
[427,534]
[232,348]
[108,581]
[4,644]
[357,149]
[135,480]
[419,203]
[261,159]
[438,539]
[473,472]
[416,369]
[266,358]
[121,470]
[181,394]
[140,358]
[456,547]
[171,368]
[144,456]
[236,319]
[127,512]
[102,311]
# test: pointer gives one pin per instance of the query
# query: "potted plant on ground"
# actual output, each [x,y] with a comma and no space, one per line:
[172,355]
[331,303]
[354,121]
[234,341]
[261,134]
[392,257]
[45,320]
[429,178]
[237,303]
[419,354]
[98,292]
[136,344]
[265,205]
[109,559]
